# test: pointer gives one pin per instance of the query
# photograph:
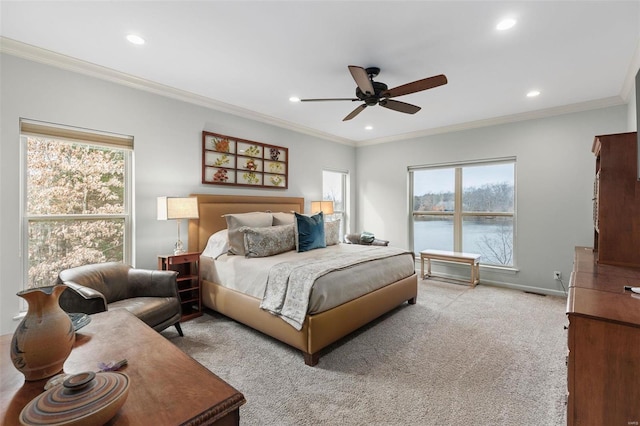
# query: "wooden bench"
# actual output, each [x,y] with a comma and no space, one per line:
[471,259]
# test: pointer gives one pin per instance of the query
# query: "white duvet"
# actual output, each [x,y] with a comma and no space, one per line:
[250,275]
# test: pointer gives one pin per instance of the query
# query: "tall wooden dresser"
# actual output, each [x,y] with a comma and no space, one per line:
[603,365]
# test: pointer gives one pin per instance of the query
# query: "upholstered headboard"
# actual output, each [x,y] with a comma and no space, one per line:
[211,209]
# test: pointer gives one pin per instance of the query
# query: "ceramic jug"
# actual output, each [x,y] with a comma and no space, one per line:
[44,338]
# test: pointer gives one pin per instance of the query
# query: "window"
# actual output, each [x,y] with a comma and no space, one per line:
[335,187]
[465,207]
[77,207]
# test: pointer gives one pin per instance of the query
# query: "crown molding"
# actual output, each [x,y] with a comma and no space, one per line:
[48,57]
[505,119]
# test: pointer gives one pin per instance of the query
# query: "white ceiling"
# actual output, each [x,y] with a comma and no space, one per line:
[249,57]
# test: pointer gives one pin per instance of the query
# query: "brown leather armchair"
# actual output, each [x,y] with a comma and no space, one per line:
[151,295]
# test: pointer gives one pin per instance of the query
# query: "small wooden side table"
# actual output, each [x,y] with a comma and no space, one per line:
[188,267]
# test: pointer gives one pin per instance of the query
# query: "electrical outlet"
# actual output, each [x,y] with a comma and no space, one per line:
[557,275]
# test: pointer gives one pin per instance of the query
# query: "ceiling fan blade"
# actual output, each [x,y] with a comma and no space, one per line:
[399,106]
[416,86]
[329,99]
[361,77]
[355,112]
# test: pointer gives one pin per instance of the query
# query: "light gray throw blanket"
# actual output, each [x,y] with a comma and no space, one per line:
[290,283]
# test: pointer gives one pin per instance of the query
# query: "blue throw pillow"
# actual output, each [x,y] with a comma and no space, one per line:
[309,232]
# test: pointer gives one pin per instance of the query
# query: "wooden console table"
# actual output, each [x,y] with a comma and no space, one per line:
[471,259]
[168,387]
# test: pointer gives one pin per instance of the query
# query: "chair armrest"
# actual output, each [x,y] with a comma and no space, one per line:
[80,299]
[152,283]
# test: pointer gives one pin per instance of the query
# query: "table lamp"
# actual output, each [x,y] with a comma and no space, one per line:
[177,208]
[326,207]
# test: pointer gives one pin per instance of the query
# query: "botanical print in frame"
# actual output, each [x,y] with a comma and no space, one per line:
[227,160]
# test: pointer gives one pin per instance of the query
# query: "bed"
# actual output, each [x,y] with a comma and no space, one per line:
[318,330]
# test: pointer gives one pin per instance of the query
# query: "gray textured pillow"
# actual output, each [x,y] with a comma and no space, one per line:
[280,218]
[263,242]
[332,232]
[236,221]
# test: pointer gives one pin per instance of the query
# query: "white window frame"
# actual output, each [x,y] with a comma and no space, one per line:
[343,215]
[80,136]
[458,214]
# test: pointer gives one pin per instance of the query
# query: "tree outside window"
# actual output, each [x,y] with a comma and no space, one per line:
[76,210]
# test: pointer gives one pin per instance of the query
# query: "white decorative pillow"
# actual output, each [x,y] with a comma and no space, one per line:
[236,221]
[217,244]
[332,232]
[280,218]
[263,242]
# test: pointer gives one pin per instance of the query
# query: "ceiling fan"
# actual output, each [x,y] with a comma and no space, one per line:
[375,93]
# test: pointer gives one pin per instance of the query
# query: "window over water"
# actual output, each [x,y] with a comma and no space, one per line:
[465,207]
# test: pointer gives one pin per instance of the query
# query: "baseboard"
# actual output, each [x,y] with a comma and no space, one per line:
[483,281]
[528,289]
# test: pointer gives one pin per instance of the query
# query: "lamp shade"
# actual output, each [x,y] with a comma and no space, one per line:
[326,207]
[177,208]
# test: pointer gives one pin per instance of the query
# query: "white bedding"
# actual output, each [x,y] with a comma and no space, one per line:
[250,276]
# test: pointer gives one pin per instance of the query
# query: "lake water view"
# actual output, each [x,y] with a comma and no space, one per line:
[484,237]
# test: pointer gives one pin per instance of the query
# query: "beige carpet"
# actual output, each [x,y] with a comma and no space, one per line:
[460,356]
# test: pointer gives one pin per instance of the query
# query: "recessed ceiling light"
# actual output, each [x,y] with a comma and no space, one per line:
[505,24]
[368,127]
[533,93]
[294,99]
[135,39]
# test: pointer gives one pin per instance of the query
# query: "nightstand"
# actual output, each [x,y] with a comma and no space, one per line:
[188,267]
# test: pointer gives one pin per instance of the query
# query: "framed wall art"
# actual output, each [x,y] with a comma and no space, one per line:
[231,161]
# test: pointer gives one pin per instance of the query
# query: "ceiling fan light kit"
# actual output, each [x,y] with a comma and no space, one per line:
[376,93]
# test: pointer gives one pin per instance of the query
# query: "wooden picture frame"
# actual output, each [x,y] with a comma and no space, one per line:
[227,160]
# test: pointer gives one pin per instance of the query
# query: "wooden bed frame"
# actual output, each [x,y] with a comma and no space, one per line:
[319,330]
